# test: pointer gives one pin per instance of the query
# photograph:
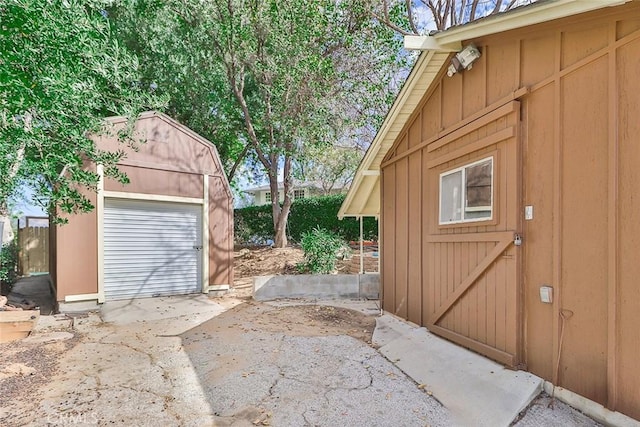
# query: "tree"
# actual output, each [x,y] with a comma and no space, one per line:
[295,74]
[408,17]
[172,59]
[332,167]
[61,73]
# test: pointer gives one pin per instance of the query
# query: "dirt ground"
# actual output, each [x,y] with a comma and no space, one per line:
[301,320]
[26,366]
[265,261]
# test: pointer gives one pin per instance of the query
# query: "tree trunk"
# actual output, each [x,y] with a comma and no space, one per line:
[281,228]
[275,205]
[281,214]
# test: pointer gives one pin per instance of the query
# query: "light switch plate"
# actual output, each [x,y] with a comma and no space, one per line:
[546,294]
[528,212]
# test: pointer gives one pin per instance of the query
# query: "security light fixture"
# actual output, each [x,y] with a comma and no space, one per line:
[463,60]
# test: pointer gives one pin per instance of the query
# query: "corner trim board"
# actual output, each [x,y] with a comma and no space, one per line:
[205,233]
[100,229]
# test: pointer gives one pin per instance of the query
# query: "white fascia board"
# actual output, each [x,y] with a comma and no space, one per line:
[429,43]
[444,42]
[528,15]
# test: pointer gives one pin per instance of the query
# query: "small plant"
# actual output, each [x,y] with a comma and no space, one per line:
[9,264]
[321,248]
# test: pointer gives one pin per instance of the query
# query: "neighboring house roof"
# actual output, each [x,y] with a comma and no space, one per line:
[296,185]
[363,198]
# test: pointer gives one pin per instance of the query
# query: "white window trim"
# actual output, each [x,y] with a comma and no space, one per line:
[464,209]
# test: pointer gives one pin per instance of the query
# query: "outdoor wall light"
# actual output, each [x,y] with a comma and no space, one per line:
[463,60]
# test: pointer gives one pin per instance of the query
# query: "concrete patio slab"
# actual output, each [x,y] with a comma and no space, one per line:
[185,311]
[258,364]
[476,390]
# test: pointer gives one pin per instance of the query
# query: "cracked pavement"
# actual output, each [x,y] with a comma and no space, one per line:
[255,364]
[192,361]
[301,373]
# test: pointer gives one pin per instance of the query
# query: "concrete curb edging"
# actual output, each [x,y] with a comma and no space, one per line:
[589,407]
[320,286]
[476,391]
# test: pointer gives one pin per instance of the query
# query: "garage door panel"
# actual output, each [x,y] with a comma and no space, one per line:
[149,248]
[142,248]
[133,271]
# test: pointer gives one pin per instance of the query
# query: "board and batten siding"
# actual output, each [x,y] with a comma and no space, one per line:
[573,86]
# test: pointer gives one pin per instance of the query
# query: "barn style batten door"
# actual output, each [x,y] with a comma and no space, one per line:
[471,249]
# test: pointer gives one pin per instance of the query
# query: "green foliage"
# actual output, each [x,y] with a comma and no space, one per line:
[253,224]
[267,79]
[9,263]
[61,73]
[323,212]
[321,249]
[330,166]
[174,59]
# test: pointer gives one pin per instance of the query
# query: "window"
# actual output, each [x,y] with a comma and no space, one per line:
[466,193]
[298,194]
[267,197]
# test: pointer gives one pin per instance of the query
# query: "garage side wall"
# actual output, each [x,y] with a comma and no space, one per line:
[76,255]
[221,234]
[576,80]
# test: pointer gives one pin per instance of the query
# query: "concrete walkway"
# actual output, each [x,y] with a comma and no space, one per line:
[37,289]
[475,390]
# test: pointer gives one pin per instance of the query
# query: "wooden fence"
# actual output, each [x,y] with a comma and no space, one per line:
[33,241]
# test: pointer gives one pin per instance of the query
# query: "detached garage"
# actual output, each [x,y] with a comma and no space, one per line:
[168,232]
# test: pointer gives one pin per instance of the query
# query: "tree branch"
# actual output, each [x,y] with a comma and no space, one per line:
[412,22]
[239,160]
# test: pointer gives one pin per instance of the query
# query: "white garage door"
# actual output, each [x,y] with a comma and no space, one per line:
[151,248]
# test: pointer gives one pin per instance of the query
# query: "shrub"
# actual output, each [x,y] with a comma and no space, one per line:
[9,264]
[323,212]
[321,248]
[254,224]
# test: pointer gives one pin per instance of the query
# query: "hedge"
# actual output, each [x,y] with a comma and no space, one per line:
[254,224]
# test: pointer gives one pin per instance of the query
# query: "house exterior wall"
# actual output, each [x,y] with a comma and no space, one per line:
[76,254]
[260,196]
[172,162]
[574,86]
